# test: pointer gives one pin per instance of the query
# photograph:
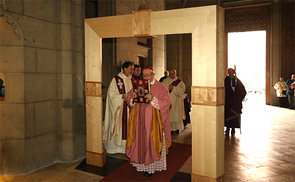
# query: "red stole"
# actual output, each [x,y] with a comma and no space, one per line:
[121,89]
[175,83]
[187,104]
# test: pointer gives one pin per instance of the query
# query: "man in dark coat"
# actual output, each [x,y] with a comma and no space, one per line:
[235,92]
[166,73]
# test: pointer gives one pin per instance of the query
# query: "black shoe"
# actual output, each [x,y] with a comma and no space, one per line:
[146,174]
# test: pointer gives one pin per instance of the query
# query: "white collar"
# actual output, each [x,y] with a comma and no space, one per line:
[124,76]
[153,81]
[175,78]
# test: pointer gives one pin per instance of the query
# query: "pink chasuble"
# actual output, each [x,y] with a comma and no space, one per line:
[142,150]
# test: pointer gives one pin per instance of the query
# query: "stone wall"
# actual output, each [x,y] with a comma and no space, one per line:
[43,115]
[159,56]
[42,63]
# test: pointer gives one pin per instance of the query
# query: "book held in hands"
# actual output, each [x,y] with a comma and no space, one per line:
[141,88]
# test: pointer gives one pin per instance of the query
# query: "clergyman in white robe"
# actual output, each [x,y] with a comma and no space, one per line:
[112,129]
[177,95]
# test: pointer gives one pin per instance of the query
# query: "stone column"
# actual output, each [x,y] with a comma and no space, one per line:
[159,61]
[275,49]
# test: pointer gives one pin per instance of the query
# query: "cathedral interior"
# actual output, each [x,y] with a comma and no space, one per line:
[43,113]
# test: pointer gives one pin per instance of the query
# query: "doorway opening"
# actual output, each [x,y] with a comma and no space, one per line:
[247,53]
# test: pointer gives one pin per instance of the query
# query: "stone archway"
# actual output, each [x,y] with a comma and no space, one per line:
[10,35]
[12,105]
[207,27]
[10,39]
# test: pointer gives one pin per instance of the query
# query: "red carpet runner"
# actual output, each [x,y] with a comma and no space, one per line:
[177,156]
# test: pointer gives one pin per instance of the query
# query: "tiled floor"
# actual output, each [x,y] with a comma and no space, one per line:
[265,151]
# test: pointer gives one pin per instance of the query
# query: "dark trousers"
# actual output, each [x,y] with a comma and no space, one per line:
[233,123]
[291,99]
[284,102]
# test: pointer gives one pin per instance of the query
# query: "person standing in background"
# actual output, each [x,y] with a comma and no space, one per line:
[137,72]
[290,91]
[176,88]
[235,92]
[281,89]
[2,88]
[166,74]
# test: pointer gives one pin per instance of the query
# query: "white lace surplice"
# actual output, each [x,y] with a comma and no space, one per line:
[159,165]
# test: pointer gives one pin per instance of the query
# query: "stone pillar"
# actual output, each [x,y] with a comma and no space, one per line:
[159,56]
[173,52]
[275,49]
[208,98]
[39,64]
[65,92]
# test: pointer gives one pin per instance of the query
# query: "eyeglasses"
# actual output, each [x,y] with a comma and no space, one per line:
[147,75]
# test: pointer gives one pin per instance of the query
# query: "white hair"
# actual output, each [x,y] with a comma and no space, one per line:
[152,71]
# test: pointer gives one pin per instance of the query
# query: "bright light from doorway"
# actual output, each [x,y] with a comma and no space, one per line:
[246,50]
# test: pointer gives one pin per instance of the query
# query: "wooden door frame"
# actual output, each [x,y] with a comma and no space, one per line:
[242,26]
[208,94]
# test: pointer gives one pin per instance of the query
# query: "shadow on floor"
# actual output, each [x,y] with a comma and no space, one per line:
[111,165]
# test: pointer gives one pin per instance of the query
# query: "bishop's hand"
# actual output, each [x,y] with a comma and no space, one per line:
[134,95]
[149,96]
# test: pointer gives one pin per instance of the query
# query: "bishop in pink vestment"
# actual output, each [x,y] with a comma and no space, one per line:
[149,134]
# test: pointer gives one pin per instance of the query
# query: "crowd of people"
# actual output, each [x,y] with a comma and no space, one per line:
[142,130]
[285,92]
